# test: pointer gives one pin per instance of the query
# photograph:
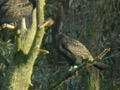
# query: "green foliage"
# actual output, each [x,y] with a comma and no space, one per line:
[5,49]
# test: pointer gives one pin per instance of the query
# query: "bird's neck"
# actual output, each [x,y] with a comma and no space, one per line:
[57,27]
[55,35]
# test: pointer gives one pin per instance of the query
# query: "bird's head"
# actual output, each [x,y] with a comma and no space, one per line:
[55,18]
[49,22]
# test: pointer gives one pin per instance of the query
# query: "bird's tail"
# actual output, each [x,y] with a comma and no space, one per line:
[101,66]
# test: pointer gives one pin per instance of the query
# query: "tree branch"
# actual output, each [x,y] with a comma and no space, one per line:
[73,72]
[43,51]
[29,34]
[23,27]
[34,51]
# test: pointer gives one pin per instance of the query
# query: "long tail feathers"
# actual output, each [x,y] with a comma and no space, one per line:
[101,66]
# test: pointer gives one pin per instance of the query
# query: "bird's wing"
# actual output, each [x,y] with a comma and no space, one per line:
[2,12]
[76,48]
[12,10]
[65,51]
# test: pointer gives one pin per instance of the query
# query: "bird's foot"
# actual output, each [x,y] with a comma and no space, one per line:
[71,68]
[76,73]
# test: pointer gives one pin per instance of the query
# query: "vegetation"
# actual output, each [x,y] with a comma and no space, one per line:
[94,23]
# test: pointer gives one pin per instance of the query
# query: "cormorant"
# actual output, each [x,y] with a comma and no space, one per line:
[73,51]
[13,10]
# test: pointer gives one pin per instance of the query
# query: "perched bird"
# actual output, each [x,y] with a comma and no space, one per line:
[13,10]
[73,51]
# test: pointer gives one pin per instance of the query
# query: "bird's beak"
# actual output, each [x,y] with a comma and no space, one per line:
[47,22]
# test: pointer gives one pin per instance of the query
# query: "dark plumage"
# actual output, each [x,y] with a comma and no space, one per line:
[74,51]
[13,10]
[71,49]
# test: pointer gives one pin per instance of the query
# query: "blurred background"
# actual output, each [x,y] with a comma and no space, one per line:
[96,24]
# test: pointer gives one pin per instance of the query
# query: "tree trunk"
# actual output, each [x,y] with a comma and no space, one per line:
[93,79]
[18,76]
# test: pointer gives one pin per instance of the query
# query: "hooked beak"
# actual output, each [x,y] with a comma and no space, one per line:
[47,22]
